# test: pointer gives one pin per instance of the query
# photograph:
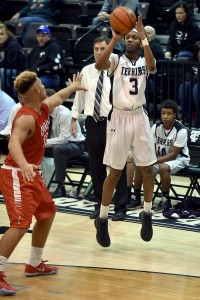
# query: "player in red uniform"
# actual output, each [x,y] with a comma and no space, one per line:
[21,184]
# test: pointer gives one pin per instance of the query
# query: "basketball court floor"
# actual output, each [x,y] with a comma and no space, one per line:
[165,268]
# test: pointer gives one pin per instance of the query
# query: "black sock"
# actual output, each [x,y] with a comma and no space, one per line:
[129,190]
[166,195]
[137,193]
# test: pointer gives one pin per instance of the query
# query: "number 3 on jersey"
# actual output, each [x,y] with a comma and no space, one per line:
[134,83]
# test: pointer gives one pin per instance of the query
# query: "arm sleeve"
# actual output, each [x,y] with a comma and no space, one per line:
[106,6]
[79,104]
[192,37]
[24,11]
[79,101]
[64,131]
[154,133]
[181,139]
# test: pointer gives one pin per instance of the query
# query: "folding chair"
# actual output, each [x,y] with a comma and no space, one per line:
[193,170]
[173,193]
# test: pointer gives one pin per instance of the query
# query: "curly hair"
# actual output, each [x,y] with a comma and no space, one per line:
[24,81]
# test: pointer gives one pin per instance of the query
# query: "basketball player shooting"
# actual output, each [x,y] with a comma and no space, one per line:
[128,128]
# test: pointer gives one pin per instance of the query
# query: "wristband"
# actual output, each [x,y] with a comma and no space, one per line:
[145,42]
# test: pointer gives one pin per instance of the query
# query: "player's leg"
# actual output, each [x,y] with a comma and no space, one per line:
[8,243]
[44,214]
[10,188]
[138,180]
[146,215]
[165,177]
[144,156]
[36,265]
[101,223]
[115,156]
[130,176]
[166,170]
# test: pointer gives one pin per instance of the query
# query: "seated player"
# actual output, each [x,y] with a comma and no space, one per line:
[170,138]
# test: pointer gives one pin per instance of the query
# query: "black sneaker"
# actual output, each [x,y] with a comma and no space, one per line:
[146,232]
[119,216]
[163,206]
[59,192]
[134,204]
[95,214]
[102,235]
[91,199]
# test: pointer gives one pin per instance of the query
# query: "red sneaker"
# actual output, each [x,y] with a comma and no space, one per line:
[5,288]
[41,269]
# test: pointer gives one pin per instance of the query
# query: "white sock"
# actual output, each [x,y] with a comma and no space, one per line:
[36,256]
[147,207]
[104,212]
[3,261]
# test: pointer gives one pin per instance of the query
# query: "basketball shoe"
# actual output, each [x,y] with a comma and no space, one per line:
[102,235]
[41,269]
[163,205]
[134,204]
[5,288]
[146,232]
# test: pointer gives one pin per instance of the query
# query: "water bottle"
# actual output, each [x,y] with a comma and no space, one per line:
[73,192]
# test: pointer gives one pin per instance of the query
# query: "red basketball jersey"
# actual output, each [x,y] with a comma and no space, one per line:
[33,148]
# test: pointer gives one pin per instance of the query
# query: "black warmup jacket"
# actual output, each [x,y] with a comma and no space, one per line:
[46,60]
[12,55]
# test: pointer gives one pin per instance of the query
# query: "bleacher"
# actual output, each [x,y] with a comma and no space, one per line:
[75,34]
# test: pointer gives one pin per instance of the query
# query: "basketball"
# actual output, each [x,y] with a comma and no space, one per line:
[122,19]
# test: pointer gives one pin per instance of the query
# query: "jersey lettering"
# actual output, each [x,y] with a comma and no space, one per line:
[160,151]
[134,90]
[137,71]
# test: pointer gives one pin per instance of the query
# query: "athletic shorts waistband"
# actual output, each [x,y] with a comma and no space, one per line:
[129,112]
[14,169]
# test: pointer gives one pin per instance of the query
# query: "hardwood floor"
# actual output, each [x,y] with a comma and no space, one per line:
[76,283]
[165,268]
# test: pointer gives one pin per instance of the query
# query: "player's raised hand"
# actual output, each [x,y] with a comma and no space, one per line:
[140,28]
[117,35]
[76,82]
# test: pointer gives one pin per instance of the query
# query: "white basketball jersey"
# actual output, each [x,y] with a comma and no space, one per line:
[165,139]
[129,81]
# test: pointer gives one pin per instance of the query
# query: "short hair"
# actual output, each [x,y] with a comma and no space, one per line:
[24,81]
[50,92]
[170,104]
[100,39]
[151,30]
